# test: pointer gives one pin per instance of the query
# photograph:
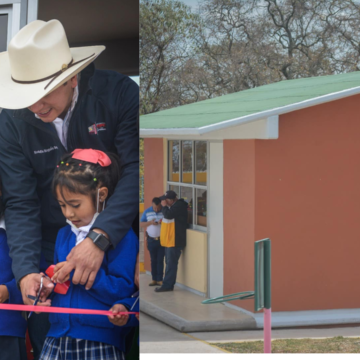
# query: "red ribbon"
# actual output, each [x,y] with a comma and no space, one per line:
[59,310]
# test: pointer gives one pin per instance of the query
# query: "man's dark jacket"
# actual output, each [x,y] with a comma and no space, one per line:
[178,212]
[30,150]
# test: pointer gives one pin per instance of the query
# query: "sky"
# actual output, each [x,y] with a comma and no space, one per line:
[192,3]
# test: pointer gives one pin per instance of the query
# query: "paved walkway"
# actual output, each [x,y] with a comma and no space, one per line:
[156,337]
[183,310]
[299,333]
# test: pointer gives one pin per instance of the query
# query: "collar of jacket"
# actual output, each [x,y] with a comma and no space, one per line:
[84,87]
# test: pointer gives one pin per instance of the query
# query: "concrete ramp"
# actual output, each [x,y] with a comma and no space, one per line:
[183,311]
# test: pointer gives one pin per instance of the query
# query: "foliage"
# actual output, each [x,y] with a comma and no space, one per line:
[232,45]
[337,345]
[166,31]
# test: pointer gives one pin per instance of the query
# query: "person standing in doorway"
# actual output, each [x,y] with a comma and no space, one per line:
[151,219]
[172,236]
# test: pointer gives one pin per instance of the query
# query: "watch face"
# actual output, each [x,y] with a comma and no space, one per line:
[102,242]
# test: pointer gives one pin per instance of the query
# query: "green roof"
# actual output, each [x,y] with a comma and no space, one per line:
[248,102]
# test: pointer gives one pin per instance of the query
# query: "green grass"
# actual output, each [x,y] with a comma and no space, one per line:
[333,345]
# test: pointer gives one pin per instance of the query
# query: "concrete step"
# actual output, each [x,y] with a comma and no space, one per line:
[183,311]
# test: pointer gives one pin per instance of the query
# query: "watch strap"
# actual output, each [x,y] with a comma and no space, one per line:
[100,240]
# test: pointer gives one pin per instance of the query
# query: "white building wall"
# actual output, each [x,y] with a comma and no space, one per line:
[33,6]
[19,13]
[215,220]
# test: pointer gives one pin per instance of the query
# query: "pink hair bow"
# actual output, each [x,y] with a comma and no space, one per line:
[92,156]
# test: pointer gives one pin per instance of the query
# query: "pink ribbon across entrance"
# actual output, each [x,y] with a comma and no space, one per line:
[59,310]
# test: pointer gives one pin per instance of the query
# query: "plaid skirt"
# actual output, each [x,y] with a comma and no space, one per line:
[67,348]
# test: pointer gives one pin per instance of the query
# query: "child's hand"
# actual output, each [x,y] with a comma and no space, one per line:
[137,316]
[57,268]
[4,293]
[118,320]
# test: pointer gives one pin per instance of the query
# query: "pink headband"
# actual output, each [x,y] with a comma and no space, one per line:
[92,156]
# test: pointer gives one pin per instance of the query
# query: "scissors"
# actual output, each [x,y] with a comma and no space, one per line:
[37,297]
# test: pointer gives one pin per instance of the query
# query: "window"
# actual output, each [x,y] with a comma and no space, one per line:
[174,161]
[187,162]
[187,176]
[175,188]
[3,31]
[201,207]
[187,194]
[10,11]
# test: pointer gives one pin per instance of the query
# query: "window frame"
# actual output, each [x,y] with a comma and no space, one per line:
[7,10]
[13,10]
[192,185]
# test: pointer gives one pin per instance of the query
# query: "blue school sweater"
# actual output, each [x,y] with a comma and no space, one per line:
[11,322]
[114,281]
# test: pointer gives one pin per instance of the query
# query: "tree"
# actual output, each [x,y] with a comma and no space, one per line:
[343,19]
[227,43]
[233,45]
[167,29]
[252,43]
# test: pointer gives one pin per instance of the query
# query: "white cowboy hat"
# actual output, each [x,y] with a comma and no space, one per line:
[38,61]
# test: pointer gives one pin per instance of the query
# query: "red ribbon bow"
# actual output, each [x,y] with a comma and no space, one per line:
[59,288]
[92,156]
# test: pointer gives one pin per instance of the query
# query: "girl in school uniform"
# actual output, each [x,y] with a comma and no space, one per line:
[82,182]
[12,324]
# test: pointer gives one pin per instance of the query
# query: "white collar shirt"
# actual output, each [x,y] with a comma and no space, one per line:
[62,126]
[81,232]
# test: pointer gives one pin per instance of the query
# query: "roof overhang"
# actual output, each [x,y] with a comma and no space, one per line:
[264,128]
[261,125]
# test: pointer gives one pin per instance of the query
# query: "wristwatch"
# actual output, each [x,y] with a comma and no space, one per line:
[100,240]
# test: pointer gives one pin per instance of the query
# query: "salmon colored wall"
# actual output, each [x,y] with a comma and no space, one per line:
[153,177]
[239,225]
[308,203]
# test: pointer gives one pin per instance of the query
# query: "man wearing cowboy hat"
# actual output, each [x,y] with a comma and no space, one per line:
[54,101]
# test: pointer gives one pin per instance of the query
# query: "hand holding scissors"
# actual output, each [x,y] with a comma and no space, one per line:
[30,285]
[41,295]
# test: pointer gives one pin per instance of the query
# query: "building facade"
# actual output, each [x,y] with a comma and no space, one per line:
[289,173]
